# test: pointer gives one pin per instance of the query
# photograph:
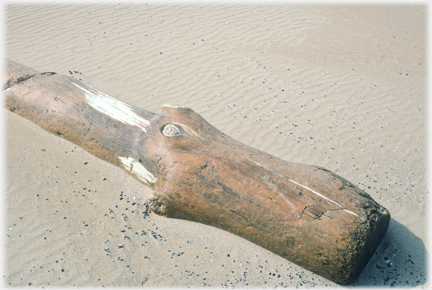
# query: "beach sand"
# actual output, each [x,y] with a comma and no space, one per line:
[343,87]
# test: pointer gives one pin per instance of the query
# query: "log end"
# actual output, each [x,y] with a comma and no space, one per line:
[368,240]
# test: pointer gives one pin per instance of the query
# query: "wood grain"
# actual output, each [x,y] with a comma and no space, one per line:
[307,214]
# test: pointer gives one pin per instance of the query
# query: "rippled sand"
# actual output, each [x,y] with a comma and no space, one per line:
[343,87]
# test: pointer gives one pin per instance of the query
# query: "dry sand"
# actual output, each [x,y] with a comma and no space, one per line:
[342,87]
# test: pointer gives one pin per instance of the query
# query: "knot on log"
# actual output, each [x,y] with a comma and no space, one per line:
[157,205]
[171,131]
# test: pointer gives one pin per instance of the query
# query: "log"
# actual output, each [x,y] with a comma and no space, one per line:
[306,214]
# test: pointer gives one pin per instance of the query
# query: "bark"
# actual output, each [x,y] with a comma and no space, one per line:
[304,213]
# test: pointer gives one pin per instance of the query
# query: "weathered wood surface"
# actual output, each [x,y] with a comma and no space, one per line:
[304,213]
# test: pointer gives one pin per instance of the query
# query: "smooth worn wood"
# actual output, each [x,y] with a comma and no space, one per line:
[304,213]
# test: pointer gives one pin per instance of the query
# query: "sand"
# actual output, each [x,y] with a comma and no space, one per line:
[343,87]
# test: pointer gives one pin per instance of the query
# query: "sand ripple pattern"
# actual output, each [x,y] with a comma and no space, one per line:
[266,75]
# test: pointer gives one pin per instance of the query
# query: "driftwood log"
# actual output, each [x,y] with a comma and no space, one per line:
[306,214]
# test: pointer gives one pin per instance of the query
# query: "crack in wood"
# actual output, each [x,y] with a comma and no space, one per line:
[21,79]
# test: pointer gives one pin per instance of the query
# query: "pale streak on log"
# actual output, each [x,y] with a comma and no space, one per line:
[310,189]
[137,170]
[81,114]
[114,108]
[307,214]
